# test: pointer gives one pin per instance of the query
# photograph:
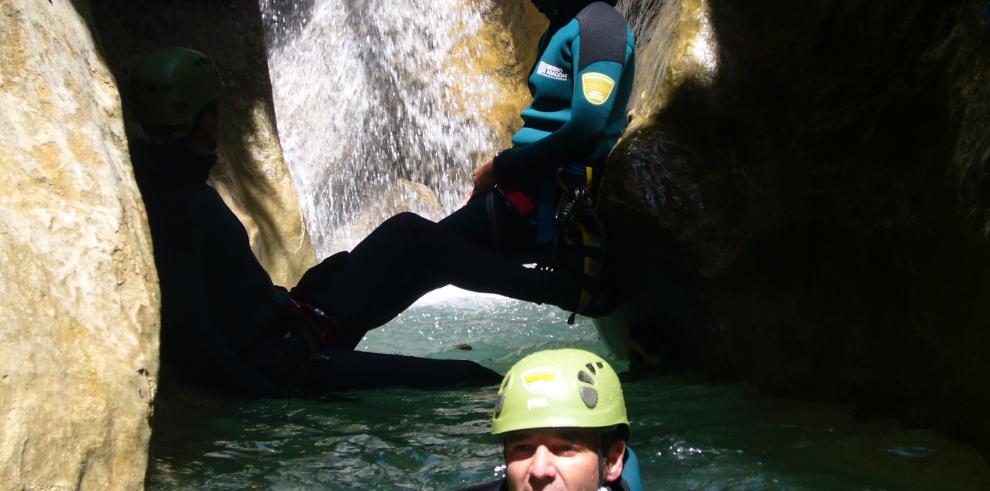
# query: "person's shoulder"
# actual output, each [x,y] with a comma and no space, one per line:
[601,15]
[604,34]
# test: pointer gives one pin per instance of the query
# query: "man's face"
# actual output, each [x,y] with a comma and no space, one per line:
[556,460]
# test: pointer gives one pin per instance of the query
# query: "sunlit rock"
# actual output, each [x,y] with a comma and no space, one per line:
[504,50]
[78,289]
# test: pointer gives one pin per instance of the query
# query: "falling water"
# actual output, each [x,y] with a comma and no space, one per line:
[375,114]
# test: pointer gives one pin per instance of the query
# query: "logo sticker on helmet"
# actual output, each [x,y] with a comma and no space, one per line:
[537,403]
[541,379]
[597,87]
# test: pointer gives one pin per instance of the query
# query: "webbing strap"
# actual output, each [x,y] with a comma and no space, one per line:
[492,218]
[546,209]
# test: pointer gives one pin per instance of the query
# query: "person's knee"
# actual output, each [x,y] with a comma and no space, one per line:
[409,233]
[406,222]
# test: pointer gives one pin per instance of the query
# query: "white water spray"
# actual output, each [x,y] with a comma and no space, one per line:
[374,113]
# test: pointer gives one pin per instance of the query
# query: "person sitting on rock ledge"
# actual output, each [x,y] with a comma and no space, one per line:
[225,324]
[535,200]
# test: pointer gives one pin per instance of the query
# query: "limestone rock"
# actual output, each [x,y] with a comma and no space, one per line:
[78,294]
[503,50]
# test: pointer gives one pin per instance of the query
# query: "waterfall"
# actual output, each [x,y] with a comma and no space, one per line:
[376,113]
[379,112]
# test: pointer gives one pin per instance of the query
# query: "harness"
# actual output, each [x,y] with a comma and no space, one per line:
[317,327]
[579,239]
[569,228]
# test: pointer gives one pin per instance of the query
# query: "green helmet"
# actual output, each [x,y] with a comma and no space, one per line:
[170,87]
[566,388]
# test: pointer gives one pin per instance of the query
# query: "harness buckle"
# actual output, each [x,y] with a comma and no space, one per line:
[318,326]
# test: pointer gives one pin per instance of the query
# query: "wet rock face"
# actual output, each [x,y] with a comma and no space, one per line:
[818,210]
[78,289]
[251,175]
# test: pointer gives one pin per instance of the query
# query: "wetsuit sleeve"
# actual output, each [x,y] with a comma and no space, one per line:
[597,74]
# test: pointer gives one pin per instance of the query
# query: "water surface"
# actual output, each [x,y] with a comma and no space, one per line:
[688,434]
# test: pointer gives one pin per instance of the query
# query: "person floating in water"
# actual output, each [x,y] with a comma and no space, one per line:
[562,420]
[534,199]
[225,324]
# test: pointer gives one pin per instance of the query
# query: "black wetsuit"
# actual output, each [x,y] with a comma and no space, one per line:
[224,323]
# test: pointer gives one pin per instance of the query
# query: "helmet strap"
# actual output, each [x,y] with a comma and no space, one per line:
[600,443]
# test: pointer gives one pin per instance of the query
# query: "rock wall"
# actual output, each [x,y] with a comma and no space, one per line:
[78,294]
[811,210]
[505,49]
[251,175]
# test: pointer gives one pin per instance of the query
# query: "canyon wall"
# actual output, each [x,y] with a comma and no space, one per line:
[78,296]
[804,203]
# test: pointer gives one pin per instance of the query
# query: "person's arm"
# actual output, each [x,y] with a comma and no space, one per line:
[600,53]
[573,141]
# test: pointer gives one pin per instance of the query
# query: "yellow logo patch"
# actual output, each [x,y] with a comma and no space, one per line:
[539,380]
[597,87]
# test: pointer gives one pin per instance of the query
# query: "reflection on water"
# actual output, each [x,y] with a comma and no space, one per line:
[688,434]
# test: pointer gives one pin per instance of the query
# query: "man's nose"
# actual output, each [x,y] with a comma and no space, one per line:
[543,468]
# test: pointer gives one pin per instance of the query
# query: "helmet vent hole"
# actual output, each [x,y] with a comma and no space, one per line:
[600,364]
[499,401]
[591,368]
[589,396]
[584,377]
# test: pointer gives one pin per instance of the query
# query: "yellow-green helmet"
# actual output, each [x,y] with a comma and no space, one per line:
[170,87]
[567,388]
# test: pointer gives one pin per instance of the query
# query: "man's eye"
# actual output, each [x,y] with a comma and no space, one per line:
[565,449]
[521,449]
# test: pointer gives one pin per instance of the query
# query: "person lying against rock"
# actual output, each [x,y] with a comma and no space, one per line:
[562,420]
[534,199]
[225,324]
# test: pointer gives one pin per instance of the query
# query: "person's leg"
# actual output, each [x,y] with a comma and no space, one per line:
[287,359]
[491,222]
[408,256]
[349,370]
[471,222]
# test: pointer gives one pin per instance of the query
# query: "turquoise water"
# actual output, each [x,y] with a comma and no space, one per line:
[687,433]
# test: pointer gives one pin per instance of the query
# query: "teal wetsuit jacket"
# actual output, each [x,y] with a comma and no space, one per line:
[581,85]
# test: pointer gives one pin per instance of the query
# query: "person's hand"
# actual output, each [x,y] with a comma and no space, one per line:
[484,179]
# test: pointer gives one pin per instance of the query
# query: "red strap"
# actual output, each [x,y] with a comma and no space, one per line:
[321,324]
[522,203]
